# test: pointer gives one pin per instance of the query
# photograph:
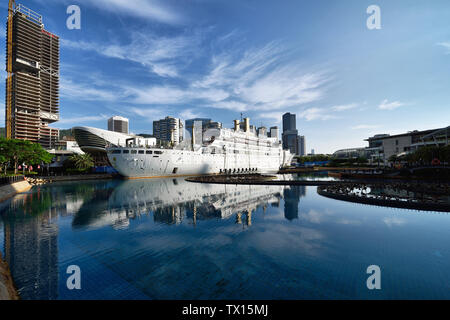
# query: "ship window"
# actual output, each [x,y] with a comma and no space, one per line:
[149,152]
[126,151]
[141,151]
[116,152]
[133,151]
[158,152]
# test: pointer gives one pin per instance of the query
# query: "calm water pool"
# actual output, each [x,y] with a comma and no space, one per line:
[170,239]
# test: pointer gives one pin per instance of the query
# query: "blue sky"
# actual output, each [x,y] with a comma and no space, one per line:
[218,58]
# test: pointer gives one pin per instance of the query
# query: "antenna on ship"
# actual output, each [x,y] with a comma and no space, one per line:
[242,116]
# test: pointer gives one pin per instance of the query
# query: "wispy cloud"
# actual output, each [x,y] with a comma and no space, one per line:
[386,105]
[316,114]
[2,114]
[274,116]
[190,114]
[365,126]
[262,79]
[173,95]
[394,221]
[446,45]
[256,79]
[78,120]
[312,113]
[231,105]
[156,10]
[149,114]
[83,91]
[344,107]
[161,55]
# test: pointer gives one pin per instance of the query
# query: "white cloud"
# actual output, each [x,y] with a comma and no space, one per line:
[82,91]
[386,105]
[2,32]
[365,126]
[316,114]
[394,221]
[2,114]
[261,79]
[173,95]
[149,113]
[190,114]
[344,107]
[155,10]
[257,79]
[78,120]
[231,105]
[446,45]
[275,116]
[162,55]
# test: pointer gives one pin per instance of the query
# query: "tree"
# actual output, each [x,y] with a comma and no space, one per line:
[393,158]
[425,155]
[3,154]
[15,152]
[82,161]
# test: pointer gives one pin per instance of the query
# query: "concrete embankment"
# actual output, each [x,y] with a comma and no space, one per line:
[46,180]
[258,180]
[7,289]
[9,190]
[319,169]
[418,205]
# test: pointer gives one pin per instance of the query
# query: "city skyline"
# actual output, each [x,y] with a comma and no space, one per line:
[318,60]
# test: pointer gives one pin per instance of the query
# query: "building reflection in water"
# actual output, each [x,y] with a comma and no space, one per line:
[291,201]
[31,229]
[30,223]
[31,247]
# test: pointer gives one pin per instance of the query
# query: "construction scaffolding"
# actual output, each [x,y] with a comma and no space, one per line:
[32,95]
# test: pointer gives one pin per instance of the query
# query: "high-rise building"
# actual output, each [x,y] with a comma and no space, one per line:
[168,130]
[289,122]
[290,133]
[301,146]
[196,127]
[32,85]
[274,132]
[291,140]
[118,124]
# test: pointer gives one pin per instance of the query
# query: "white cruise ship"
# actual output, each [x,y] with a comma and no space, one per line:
[222,151]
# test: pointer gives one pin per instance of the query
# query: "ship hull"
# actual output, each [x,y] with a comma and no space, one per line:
[173,163]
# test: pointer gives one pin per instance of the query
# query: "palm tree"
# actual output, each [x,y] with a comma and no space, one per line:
[82,161]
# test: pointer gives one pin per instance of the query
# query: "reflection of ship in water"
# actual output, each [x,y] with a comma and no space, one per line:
[172,200]
[31,226]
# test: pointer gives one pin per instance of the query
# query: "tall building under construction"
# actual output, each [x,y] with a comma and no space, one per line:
[32,85]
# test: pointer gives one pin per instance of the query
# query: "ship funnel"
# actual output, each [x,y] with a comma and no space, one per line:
[247,124]
[236,125]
